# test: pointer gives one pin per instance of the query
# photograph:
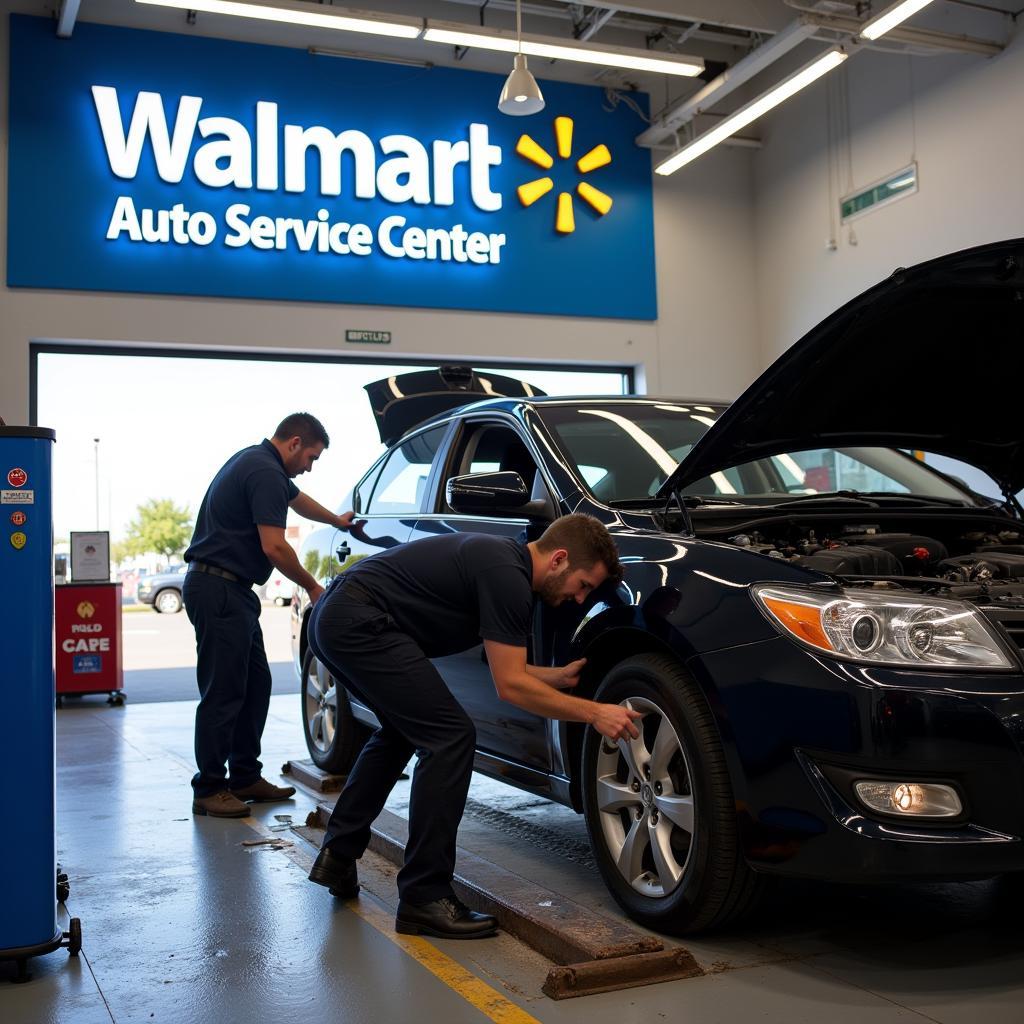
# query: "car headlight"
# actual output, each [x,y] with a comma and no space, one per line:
[886,628]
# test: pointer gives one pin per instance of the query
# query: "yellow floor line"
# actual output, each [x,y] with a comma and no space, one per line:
[491,1003]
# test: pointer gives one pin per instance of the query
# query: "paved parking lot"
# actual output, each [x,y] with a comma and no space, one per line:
[160,654]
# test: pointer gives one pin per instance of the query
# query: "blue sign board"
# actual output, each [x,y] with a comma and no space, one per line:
[87,663]
[154,162]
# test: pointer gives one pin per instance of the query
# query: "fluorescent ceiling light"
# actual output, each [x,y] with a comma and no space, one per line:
[343,20]
[891,17]
[568,49]
[753,110]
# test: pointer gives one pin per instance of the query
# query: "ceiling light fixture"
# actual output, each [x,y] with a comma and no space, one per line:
[521,93]
[753,110]
[892,16]
[340,19]
[568,49]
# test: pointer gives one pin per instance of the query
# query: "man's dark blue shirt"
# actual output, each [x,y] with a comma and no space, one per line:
[252,489]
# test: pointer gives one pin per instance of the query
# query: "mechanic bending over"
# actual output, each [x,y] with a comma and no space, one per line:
[239,537]
[376,627]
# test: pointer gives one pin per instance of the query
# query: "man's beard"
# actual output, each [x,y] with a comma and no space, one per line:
[551,590]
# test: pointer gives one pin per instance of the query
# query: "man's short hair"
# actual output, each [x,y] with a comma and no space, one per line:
[586,540]
[303,426]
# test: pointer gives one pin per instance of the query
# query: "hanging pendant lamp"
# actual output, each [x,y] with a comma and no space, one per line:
[521,94]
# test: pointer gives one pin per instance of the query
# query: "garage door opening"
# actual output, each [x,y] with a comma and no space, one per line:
[140,436]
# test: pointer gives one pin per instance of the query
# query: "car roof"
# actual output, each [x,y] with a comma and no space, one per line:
[511,404]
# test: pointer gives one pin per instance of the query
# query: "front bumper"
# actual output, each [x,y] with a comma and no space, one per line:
[797,728]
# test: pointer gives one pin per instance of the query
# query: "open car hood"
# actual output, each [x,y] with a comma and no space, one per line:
[930,359]
[399,403]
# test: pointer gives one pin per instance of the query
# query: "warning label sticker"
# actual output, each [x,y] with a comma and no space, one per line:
[17,477]
[17,497]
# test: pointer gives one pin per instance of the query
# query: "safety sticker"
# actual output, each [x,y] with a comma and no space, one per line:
[17,477]
[87,663]
[18,540]
[18,518]
[17,497]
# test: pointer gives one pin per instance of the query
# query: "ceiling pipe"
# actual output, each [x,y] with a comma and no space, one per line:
[670,120]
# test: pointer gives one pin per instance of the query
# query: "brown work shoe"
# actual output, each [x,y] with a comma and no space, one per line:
[220,805]
[262,791]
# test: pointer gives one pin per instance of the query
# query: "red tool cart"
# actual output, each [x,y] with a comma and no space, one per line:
[88,640]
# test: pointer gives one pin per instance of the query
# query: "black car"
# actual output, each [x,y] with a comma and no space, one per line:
[822,631]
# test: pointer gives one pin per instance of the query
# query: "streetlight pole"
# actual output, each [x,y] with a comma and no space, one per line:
[96,443]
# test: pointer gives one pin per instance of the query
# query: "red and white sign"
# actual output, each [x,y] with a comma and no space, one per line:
[18,518]
[17,477]
[87,631]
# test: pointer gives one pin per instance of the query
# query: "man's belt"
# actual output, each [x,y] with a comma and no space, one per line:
[214,570]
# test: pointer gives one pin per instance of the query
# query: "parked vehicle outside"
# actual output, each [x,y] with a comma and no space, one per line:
[278,589]
[822,632]
[162,590]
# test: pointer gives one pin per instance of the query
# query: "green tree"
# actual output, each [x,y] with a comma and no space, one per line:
[160,526]
[120,550]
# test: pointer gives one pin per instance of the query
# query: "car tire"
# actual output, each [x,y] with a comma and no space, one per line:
[662,820]
[168,601]
[334,736]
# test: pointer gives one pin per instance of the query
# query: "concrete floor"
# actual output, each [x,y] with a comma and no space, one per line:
[182,923]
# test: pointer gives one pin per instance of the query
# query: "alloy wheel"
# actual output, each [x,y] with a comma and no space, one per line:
[321,695]
[645,799]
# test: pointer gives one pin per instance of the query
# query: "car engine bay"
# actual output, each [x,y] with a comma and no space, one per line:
[979,562]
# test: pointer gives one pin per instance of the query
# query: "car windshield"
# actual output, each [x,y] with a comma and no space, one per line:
[625,451]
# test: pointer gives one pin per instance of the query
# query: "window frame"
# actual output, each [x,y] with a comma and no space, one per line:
[455,453]
[381,464]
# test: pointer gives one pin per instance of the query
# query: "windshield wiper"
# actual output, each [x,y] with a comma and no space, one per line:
[832,498]
[916,499]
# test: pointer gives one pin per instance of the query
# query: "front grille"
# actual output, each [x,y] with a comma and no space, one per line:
[1010,620]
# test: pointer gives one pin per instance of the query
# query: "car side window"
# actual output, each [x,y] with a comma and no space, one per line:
[361,496]
[492,448]
[399,487]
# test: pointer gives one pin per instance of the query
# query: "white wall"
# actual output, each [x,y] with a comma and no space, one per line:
[968,113]
[703,345]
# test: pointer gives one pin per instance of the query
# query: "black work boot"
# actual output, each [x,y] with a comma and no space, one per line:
[446,918]
[337,873]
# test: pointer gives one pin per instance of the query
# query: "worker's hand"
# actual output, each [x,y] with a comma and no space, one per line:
[344,521]
[315,593]
[615,722]
[570,675]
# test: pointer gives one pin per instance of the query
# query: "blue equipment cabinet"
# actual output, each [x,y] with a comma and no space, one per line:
[29,882]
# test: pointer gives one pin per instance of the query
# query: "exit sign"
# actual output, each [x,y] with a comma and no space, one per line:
[879,193]
[369,337]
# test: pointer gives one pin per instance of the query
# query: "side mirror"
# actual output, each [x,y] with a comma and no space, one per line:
[493,494]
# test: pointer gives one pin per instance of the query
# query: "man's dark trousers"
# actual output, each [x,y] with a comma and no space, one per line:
[388,671]
[234,681]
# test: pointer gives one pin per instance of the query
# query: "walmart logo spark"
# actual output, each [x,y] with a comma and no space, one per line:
[599,156]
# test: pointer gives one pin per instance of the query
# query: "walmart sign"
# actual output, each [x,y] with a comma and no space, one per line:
[152,162]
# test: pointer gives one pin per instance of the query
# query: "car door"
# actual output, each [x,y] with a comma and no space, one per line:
[388,499]
[479,446]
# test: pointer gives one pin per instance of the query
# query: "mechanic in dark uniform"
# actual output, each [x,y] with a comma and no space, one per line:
[378,625]
[239,537]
